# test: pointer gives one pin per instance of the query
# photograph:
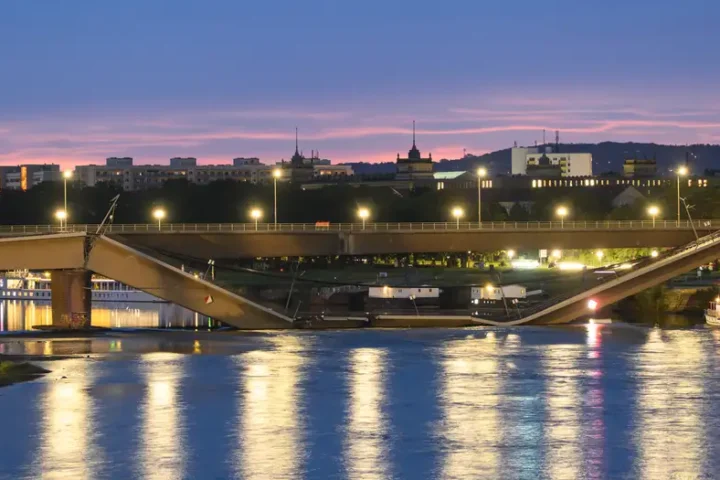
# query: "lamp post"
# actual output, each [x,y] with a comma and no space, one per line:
[159,215]
[457,212]
[61,216]
[67,174]
[599,254]
[681,172]
[562,212]
[481,173]
[277,173]
[256,213]
[511,254]
[363,213]
[653,212]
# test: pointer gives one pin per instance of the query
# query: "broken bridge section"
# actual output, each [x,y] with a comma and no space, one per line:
[69,256]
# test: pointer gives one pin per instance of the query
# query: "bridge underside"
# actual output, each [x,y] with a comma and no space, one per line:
[112,259]
[268,244]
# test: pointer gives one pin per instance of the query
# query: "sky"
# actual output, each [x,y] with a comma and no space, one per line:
[82,80]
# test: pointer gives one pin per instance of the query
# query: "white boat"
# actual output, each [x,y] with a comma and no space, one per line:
[28,286]
[712,314]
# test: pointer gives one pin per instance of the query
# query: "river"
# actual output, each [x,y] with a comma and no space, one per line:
[595,401]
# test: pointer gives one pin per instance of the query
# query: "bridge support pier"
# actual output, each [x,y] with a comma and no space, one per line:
[71,298]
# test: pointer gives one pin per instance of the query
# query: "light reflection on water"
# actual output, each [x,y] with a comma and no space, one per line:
[563,408]
[162,440]
[270,438]
[68,417]
[595,402]
[366,453]
[469,395]
[670,405]
[18,315]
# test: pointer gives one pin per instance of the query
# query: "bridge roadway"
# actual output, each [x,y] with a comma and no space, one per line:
[246,240]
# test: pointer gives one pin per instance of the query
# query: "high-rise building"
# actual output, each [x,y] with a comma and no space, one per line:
[634,168]
[119,161]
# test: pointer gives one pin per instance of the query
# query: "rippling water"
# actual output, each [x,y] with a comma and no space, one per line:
[583,402]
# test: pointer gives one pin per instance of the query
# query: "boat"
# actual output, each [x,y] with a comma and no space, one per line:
[712,314]
[24,285]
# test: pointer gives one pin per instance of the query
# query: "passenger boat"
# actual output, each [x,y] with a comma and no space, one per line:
[29,286]
[712,314]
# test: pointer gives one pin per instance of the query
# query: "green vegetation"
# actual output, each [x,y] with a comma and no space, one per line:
[15,372]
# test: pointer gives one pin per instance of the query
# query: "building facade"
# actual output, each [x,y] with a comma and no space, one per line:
[414,167]
[543,162]
[633,168]
[23,177]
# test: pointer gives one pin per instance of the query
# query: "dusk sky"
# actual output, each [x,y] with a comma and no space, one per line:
[84,80]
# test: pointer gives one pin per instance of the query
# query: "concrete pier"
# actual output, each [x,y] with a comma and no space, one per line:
[71,298]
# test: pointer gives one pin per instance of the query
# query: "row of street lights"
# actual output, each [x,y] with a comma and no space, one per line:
[363,213]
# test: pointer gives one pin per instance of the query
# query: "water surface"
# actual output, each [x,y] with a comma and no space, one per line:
[530,402]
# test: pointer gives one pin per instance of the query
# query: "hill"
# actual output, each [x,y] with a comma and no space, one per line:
[607,157]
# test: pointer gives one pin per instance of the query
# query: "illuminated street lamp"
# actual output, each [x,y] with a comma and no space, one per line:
[363,213]
[457,212]
[681,172]
[481,173]
[653,211]
[61,216]
[511,254]
[592,305]
[256,214]
[654,254]
[600,254]
[277,173]
[159,214]
[556,254]
[67,174]
[562,212]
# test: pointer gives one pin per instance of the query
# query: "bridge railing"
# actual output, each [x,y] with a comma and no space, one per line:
[579,225]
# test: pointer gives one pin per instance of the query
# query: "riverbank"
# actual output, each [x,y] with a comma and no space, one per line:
[12,372]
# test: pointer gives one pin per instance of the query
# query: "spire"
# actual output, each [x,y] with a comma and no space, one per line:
[296,142]
[413,133]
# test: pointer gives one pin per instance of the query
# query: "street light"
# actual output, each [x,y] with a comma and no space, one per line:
[653,211]
[511,254]
[654,254]
[481,173]
[67,174]
[363,213]
[562,212]
[681,172]
[256,213]
[159,215]
[61,216]
[600,254]
[277,173]
[457,212]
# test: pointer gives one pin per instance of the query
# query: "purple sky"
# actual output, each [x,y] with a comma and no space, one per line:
[83,80]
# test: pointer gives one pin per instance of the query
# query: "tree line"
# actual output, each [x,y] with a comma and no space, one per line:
[231,202]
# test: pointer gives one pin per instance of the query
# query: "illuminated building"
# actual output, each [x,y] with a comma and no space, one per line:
[414,167]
